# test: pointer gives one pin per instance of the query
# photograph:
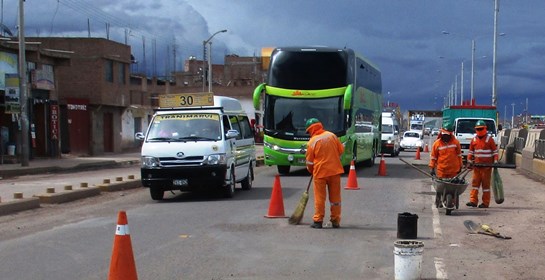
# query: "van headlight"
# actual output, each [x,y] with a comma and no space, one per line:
[216,159]
[150,162]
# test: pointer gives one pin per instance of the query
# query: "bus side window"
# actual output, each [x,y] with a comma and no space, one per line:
[236,126]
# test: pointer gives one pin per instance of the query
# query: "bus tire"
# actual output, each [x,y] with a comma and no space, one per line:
[370,162]
[283,169]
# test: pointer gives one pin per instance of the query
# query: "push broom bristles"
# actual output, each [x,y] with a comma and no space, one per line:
[300,210]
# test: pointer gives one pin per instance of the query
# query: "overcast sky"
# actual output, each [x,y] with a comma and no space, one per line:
[404,38]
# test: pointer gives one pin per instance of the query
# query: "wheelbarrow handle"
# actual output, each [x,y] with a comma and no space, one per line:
[497,165]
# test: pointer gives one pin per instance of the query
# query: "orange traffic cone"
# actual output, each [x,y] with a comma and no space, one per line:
[276,205]
[382,166]
[352,183]
[122,265]
[417,153]
[426,150]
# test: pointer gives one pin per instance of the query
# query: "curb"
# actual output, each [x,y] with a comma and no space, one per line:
[22,204]
[51,197]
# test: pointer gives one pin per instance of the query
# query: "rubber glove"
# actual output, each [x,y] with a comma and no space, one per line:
[432,172]
[469,164]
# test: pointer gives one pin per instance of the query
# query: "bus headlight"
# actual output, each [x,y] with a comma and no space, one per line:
[150,162]
[216,159]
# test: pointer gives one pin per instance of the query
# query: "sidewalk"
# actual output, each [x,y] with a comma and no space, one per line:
[72,163]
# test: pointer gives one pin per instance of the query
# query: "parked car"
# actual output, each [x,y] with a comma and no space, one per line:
[435,131]
[412,140]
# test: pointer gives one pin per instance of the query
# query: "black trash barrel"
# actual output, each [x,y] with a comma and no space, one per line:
[407,225]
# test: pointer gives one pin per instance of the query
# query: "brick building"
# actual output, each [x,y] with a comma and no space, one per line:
[99,103]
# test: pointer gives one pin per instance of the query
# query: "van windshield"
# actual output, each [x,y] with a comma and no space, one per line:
[387,128]
[185,127]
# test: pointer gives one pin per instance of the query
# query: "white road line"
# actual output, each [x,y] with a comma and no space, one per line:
[440,269]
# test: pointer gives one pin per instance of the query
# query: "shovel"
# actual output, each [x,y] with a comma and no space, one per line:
[473,227]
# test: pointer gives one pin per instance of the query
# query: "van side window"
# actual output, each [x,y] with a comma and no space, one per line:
[225,122]
[236,126]
[246,129]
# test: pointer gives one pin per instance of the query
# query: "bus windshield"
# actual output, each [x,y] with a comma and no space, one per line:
[287,116]
[308,70]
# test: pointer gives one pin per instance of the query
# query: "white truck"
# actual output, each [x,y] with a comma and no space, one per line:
[390,134]
[463,119]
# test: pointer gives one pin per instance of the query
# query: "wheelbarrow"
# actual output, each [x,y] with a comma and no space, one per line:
[447,190]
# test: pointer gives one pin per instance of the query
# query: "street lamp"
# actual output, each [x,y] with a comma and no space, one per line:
[209,60]
[473,61]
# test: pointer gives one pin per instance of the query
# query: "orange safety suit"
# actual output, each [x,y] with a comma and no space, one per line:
[482,149]
[446,158]
[323,161]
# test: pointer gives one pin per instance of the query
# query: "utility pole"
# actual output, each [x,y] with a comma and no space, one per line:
[494,86]
[25,149]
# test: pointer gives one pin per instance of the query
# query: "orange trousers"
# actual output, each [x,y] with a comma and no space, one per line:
[481,178]
[332,185]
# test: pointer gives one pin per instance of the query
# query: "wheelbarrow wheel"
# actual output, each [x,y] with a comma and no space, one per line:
[457,201]
[449,204]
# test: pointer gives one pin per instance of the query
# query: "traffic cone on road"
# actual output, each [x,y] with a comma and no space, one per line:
[276,205]
[382,166]
[352,183]
[426,150]
[417,153]
[122,265]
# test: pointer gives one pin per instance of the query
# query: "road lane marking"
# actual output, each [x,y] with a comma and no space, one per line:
[440,269]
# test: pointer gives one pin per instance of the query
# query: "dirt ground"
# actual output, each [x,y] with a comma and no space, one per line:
[521,216]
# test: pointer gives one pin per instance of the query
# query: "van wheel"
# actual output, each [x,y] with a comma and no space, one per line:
[283,169]
[156,193]
[230,188]
[247,182]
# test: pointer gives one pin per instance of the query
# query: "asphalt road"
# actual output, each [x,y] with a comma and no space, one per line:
[201,236]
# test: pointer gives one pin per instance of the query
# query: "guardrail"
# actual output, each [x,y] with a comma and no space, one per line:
[539,151]
[519,144]
[504,140]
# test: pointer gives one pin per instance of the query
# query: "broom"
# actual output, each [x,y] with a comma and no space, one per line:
[297,215]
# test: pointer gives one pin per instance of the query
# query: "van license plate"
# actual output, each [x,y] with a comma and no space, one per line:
[179,182]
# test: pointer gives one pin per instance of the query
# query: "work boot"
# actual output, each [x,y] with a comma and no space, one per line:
[316,225]
[335,224]
[471,204]
[482,205]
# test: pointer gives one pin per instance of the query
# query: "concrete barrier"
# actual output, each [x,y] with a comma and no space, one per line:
[52,197]
[18,205]
[67,196]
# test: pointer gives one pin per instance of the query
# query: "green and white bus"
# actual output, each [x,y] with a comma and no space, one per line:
[339,87]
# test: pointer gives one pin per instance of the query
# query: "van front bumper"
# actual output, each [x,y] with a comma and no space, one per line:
[193,177]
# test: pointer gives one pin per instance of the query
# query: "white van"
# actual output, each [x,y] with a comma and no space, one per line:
[208,147]
[390,134]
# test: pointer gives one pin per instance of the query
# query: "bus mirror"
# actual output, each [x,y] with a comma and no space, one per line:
[257,95]
[347,97]
[231,134]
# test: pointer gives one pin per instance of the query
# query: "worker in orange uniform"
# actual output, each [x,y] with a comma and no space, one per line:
[483,150]
[323,161]
[445,157]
